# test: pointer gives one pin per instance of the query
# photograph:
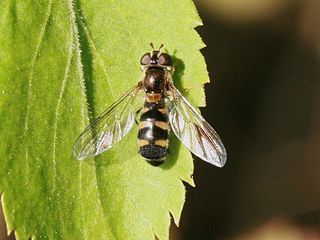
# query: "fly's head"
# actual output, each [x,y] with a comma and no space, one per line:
[156,58]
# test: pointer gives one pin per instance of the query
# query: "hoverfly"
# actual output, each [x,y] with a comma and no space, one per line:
[164,109]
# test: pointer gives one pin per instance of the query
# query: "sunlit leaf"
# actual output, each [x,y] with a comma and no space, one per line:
[61,64]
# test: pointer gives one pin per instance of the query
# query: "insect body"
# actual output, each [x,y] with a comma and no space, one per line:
[154,131]
[164,109]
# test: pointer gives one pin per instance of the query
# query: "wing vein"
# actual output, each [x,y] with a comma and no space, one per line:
[195,132]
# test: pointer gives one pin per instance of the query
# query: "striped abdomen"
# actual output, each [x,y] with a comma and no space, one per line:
[153,132]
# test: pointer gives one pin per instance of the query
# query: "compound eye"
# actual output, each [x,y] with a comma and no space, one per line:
[145,60]
[165,59]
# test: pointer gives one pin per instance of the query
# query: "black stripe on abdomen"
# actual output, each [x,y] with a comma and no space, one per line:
[154,115]
[151,134]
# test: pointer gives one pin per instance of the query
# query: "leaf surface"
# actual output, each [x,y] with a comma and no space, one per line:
[61,64]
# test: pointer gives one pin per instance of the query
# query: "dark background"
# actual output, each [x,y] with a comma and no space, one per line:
[264,101]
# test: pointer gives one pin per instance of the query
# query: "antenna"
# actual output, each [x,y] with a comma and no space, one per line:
[151,45]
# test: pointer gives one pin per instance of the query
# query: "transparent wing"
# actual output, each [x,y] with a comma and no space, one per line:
[195,132]
[110,127]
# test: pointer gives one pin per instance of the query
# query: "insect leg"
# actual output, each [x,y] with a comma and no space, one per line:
[137,115]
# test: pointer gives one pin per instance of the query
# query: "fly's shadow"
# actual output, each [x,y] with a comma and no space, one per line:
[179,66]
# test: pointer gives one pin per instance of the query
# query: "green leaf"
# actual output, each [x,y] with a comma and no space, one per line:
[61,64]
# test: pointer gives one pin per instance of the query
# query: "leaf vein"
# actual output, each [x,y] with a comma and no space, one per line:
[56,112]
[75,30]
[30,82]
[101,61]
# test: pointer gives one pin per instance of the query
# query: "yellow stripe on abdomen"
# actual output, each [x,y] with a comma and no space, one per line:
[162,125]
[162,143]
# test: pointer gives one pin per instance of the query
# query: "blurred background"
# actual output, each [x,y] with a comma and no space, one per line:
[263,57]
